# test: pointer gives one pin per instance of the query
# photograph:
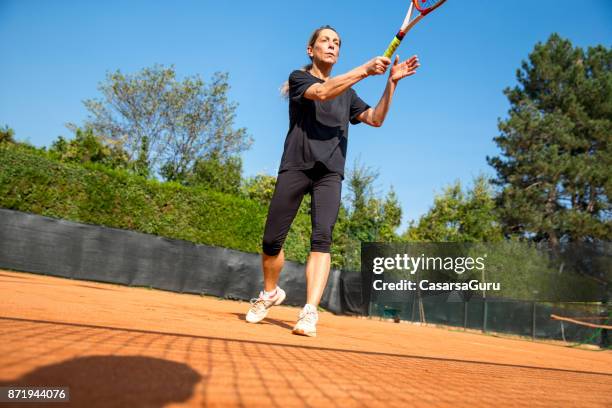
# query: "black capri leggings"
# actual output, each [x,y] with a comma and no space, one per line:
[291,185]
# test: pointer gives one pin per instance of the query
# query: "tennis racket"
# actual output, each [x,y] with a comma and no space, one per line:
[418,9]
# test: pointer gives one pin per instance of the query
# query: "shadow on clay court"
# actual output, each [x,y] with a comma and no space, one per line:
[276,322]
[116,380]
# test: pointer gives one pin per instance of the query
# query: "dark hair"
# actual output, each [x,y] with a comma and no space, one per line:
[311,42]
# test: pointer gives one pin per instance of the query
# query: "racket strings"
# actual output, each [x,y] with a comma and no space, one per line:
[425,5]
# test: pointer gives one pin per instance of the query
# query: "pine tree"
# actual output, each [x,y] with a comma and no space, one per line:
[554,169]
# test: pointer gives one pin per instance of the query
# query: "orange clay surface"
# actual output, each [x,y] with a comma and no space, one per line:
[131,347]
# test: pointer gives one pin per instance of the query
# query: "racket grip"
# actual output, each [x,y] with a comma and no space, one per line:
[392,47]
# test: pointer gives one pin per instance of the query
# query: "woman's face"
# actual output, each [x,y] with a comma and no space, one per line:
[326,48]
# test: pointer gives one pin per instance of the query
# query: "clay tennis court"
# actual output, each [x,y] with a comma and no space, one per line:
[123,346]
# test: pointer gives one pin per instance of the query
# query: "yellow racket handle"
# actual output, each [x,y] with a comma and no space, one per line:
[392,47]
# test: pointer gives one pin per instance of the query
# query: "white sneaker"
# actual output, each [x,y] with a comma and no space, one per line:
[261,305]
[307,322]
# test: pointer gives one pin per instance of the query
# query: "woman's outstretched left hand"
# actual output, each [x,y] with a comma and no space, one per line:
[403,69]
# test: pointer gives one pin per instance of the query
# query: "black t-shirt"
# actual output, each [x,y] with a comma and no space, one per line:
[318,130]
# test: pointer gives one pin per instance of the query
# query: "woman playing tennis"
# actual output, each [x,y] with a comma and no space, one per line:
[320,110]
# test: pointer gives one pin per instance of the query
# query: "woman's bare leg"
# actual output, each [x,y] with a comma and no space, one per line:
[317,271]
[272,266]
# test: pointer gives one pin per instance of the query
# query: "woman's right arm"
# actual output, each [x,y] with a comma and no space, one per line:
[336,85]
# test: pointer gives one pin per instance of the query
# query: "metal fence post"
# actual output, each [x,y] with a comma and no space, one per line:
[533,320]
[484,314]
[465,314]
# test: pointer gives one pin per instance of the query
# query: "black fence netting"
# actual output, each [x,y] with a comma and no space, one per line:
[571,285]
[49,246]
[532,319]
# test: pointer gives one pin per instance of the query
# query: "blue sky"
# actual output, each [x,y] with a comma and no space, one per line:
[440,126]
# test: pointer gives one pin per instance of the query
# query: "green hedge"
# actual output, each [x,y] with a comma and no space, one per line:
[33,183]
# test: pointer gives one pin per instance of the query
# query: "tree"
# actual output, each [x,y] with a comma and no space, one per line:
[365,217]
[86,147]
[364,214]
[7,135]
[166,124]
[554,169]
[215,172]
[260,188]
[391,218]
[459,216]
